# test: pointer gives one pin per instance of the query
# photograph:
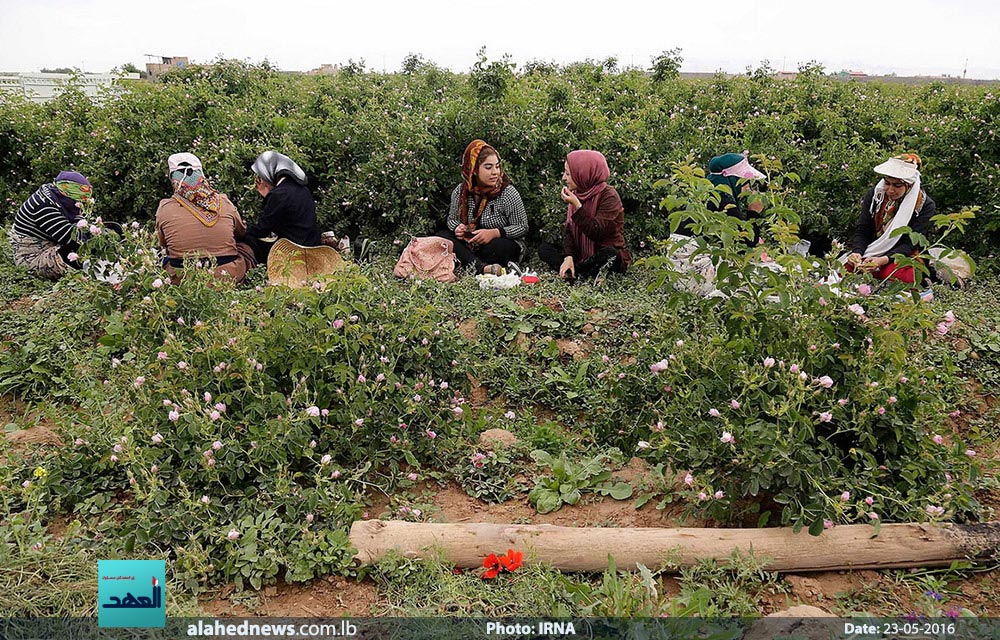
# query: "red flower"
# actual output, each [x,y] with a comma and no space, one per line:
[492,565]
[511,561]
[495,565]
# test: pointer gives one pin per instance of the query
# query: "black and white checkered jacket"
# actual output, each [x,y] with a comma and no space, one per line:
[505,212]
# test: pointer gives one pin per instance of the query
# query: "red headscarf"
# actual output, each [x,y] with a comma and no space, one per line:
[470,167]
[590,172]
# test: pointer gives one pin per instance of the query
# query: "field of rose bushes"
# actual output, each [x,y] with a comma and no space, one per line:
[383,150]
[237,432]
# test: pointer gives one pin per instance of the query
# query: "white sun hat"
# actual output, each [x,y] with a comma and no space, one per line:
[897,168]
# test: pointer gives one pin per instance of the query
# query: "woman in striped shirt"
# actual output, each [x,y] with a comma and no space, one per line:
[42,235]
[486,221]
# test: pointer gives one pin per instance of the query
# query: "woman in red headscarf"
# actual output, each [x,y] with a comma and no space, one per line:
[486,220]
[594,235]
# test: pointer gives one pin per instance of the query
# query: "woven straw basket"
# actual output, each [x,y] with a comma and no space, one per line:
[295,266]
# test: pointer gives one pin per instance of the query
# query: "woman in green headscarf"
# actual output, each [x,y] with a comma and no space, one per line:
[734,171]
[42,237]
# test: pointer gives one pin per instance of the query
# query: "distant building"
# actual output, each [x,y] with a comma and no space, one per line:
[324,70]
[167,63]
[42,87]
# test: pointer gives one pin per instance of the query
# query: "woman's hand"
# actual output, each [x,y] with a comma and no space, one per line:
[460,231]
[873,264]
[567,267]
[854,259]
[481,237]
[570,198]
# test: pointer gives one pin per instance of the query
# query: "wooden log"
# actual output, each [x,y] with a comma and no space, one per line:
[587,549]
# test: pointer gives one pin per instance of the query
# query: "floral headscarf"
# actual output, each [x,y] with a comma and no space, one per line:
[192,190]
[476,150]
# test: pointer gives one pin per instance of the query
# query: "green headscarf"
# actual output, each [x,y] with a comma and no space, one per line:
[75,190]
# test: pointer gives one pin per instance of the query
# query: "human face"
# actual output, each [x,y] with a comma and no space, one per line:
[895,188]
[489,171]
[262,186]
[567,177]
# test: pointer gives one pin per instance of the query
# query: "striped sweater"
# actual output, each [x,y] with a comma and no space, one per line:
[42,217]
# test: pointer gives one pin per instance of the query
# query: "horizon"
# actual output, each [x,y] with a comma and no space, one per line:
[916,38]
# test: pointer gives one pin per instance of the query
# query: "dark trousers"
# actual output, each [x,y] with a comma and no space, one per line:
[260,248]
[553,256]
[500,251]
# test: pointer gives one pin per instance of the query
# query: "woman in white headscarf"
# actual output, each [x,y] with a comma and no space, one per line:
[199,222]
[289,209]
[896,201]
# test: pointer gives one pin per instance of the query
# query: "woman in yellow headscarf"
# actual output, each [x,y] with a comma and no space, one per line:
[486,220]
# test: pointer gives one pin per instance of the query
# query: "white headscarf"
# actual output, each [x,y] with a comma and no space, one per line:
[886,242]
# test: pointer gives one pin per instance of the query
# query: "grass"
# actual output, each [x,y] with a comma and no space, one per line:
[420,587]
[59,577]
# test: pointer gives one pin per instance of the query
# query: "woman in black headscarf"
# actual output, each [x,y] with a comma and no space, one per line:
[289,208]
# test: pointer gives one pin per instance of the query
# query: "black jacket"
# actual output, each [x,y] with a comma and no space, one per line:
[289,212]
[865,233]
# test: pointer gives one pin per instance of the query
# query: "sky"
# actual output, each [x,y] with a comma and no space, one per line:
[917,37]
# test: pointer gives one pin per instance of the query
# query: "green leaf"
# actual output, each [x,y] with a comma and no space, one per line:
[542,457]
[547,501]
[642,500]
[621,491]
[816,528]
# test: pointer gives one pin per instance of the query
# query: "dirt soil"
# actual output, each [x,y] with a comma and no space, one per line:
[838,592]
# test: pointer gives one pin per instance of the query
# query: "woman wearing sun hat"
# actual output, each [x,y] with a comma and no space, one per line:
[199,222]
[896,201]
[42,235]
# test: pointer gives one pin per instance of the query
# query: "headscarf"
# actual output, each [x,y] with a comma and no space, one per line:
[75,186]
[72,192]
[590,173]
[271,166]
[728,169]
[476,150]
[192,190]
[890,215]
